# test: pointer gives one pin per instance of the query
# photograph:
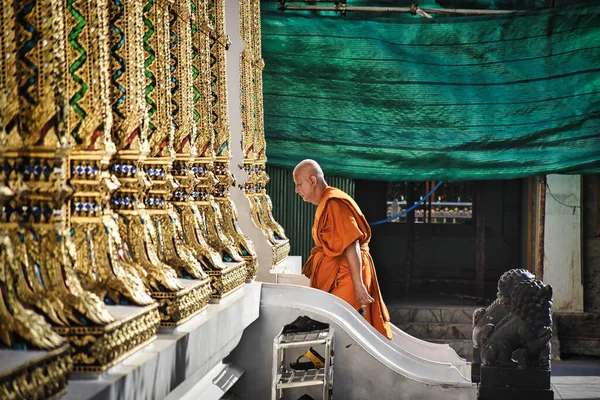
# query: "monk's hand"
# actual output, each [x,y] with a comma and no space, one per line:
[361,294]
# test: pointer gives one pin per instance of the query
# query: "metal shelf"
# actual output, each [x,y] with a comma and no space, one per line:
[301,339]
[293,378]
[284,378]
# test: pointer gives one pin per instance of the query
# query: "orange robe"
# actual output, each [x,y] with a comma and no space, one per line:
[339,223]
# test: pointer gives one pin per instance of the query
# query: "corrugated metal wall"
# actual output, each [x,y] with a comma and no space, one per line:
[292,212]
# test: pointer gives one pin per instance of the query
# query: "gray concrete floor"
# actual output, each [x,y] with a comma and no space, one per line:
[572,379]
[576,379]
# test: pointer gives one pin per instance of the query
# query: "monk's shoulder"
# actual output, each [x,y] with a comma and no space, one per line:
[339,206]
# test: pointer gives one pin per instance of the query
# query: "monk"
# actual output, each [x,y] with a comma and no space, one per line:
[340,262]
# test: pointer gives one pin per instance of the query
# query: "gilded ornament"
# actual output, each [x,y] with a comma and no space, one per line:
[253,137]
[42,378]
[242,242]
[18,324]
[97,348]
[100,268]
[137,251]
[164,242]
[200,214]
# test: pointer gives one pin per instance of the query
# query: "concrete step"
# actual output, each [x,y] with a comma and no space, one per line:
[437,324]
[446,331]
[439,315]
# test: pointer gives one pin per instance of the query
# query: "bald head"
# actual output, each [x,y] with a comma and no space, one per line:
[310,168]
[309,180]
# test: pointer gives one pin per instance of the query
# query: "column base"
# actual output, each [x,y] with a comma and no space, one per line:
[251,267]
[34,374]
[280,251]
[226,281]
[177,307]
[97,348]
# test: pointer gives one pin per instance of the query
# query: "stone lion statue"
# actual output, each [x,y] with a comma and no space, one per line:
[500,307]
[522,336]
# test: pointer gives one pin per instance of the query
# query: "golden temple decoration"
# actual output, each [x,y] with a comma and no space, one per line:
[130,124]
[101,265]
[18,324]
[167,25]
[247,95]
[41,376]
[233,241]
[259,126]
[54,111]
[94,231]
[34,166]
[114,178]
[138,249]
[44,377]
[198,210]
[242,243]
[175,251]
[253,135]
[98,348]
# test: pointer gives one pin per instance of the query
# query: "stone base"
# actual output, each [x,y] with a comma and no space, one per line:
[26,374]
[490,393]
[515,383]
[289,271]
[280,251]
[97,348]
[476,365]
[475,373]
[177,307]
[226,281]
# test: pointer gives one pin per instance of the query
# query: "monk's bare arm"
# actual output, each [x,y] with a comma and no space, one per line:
[352,254]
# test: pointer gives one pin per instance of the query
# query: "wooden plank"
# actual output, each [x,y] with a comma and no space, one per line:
[479,240]
[598,205]
[539,268]
[530,200]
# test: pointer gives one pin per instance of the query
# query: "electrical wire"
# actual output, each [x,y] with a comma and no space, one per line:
[545,182]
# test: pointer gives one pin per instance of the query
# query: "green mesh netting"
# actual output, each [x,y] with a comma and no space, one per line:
[393,97]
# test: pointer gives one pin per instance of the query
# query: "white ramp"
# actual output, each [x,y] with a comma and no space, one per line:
[435,352]
[290,272]
[367,366]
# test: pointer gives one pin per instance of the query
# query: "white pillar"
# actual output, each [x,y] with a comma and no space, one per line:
[261,244]
[562,242]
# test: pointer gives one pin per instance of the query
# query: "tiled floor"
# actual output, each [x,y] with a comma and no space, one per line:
[576,379]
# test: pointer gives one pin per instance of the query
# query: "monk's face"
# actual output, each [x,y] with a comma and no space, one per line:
[306,186]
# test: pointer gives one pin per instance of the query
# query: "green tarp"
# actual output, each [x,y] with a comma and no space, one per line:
[394,97]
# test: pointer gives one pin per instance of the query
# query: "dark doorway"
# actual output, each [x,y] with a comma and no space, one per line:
[433,253]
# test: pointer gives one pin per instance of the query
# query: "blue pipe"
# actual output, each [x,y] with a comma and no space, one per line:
[417,204]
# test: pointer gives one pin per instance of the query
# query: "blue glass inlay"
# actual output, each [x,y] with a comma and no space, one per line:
[38,273]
